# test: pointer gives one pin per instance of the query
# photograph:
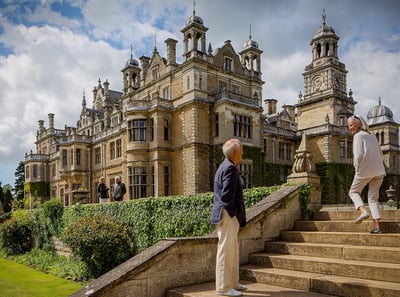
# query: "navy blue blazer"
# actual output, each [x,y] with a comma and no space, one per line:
[228,193]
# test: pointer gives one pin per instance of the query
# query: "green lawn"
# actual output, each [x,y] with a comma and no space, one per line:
[21,281]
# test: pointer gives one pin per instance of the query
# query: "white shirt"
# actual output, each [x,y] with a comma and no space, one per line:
[367,155]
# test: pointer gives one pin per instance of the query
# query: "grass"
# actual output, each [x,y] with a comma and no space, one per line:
[22,281]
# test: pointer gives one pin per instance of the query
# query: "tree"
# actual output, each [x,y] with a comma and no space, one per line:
[19,181]
[6,197]
[1,200]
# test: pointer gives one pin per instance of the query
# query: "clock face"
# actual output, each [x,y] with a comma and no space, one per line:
[337,81]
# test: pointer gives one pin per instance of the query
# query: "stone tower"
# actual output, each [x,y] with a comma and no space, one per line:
[325,106]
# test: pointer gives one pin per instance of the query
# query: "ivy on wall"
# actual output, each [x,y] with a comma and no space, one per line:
[336,179]
[251,153]
[273,174]
[40,189]
[257,156]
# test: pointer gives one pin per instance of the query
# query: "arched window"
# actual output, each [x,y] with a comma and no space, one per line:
[327,53]
[318,50]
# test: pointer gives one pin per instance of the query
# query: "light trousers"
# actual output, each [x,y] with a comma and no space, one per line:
[374,183]
[227,262]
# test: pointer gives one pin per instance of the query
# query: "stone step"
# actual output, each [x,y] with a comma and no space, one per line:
[253,289]
[313,282]
[348,238]
[351,215]
[336,251]
[346,226]
[348,268]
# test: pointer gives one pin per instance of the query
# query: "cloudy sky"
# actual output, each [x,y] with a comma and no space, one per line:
[54,51]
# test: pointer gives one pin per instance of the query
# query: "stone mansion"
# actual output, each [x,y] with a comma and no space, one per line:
[163,132]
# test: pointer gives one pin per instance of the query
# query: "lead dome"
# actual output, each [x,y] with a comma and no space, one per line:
[379,114]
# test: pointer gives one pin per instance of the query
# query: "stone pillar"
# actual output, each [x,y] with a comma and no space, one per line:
[304,171]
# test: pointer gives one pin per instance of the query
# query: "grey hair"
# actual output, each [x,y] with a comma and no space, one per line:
[359,119]
[231,146]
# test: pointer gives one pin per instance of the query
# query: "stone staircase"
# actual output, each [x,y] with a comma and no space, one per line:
[328,256]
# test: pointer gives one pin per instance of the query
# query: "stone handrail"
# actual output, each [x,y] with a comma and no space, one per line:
[227,95]
[176,262]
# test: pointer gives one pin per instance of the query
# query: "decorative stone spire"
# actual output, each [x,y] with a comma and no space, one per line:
[84,100]
[304,172]
[303,159]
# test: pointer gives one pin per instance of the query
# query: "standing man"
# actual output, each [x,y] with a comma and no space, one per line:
[369,170]
[118,189]
[228,215]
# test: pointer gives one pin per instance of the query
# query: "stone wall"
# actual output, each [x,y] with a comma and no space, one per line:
[175,262]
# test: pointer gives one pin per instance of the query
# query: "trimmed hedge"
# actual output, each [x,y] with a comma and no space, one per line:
[150,219]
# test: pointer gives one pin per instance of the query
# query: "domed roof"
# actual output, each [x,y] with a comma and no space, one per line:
[324,31]
[194,19]
[132,62]
[379,114]
[250,43]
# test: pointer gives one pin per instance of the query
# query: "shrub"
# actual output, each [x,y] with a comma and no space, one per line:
[53,211]
[16,237]
[100,242]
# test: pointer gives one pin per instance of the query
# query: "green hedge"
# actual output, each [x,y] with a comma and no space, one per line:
[91,230]
[150,219]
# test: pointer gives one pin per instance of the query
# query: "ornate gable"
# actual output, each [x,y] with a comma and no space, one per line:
[227,59]
[157,67]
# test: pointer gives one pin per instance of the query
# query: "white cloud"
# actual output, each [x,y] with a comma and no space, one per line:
[48,74]
[283,77]
[373,73]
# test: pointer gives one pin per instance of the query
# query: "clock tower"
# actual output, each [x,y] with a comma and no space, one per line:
[323,109]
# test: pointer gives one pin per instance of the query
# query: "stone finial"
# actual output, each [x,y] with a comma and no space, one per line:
[303,159]
[304,171]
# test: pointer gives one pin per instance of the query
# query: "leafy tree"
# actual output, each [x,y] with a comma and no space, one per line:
[6,197]
[19,181]
[1,198]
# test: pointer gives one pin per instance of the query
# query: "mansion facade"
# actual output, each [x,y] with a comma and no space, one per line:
[163,132]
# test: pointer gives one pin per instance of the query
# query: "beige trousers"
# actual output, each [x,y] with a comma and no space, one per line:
[227,264]
[373,194]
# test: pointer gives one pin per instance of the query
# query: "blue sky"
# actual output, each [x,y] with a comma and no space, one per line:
[52,51]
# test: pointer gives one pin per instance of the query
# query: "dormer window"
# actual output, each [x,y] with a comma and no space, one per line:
[155,73]
[228,64]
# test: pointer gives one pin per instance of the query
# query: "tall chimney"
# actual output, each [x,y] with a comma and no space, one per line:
[270,106]
[51,120]
[171,51]
[290,109]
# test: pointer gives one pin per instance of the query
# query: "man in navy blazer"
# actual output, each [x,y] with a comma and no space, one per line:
[228,215]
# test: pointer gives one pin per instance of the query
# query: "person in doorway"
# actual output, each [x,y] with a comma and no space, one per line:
[228,215]
[102,191]
[369,170]
[118,189]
